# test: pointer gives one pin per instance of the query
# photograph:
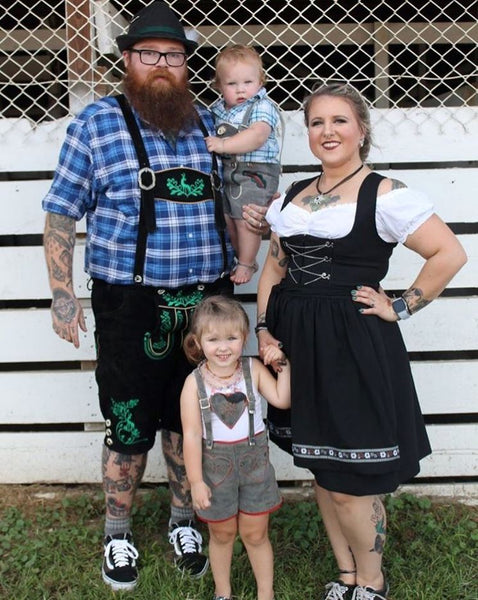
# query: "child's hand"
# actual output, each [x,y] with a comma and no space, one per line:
[215,144]
[201,494]
[272,355]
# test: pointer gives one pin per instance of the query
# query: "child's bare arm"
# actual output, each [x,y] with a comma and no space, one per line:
[247,140]
[192,443]
[275,391]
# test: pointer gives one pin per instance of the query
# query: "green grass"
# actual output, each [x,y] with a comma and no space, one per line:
[51,549]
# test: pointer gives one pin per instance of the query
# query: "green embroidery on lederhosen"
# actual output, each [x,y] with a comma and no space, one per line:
[126,430]
[173,322]
[183,188]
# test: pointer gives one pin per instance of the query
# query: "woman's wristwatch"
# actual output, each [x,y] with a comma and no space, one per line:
[401,309]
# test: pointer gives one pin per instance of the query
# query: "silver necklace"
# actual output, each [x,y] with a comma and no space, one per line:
[324,198]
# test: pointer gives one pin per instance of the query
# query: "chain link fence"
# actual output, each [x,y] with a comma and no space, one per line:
[58,55]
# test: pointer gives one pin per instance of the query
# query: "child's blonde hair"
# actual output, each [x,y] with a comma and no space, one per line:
[214,310]
[238,53]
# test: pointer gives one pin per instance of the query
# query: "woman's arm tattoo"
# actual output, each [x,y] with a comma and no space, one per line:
[415,300]
[275,249]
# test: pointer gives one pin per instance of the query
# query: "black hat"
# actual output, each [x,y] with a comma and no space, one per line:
[155,21]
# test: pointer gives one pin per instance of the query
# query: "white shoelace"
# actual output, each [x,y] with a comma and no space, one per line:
[336,591]
[122,552]
[361,593]
[186,540]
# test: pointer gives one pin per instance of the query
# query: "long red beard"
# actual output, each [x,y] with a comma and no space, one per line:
[162,101]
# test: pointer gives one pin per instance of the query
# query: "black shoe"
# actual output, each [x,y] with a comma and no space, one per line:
[368,593]
[119,564]
[338,590]
[187,542]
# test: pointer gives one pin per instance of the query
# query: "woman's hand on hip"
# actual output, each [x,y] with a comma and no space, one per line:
[376,302]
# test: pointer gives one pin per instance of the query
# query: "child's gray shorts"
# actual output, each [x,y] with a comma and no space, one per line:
[241,479]
[248,183]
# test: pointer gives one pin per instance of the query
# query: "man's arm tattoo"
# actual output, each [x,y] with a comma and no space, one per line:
[415,300]
[173,455]
[59,242]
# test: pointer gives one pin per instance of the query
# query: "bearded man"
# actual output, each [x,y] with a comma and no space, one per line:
[137,166]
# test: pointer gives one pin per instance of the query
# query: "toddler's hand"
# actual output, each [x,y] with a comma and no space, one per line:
[215,144]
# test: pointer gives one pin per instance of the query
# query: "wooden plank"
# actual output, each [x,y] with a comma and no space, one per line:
[108,24]
[74,457]
[64,397]
[30,260]
[342,34]
[453,192]
[28,216]
[447,387]
[78,40]
[71,396]
[404,266]
[401,135]
[447,324]
[29,337]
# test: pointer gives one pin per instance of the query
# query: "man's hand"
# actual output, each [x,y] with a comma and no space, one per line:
[67,315]
[59,243]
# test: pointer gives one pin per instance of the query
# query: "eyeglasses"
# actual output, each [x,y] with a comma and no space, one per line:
[152,57]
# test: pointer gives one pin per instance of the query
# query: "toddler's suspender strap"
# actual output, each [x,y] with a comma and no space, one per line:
[205,407]
[251,399]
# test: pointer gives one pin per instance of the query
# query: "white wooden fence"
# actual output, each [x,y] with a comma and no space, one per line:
[50,425]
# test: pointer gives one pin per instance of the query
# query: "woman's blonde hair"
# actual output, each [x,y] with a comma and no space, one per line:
[213,311]
[356,101]
[238,53]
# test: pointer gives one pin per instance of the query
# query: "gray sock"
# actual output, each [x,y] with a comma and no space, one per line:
[114,526]
[181,513]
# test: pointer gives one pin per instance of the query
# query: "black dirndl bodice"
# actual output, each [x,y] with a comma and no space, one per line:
[355,415]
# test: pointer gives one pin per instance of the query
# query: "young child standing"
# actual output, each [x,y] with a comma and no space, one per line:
[226,453]
[247,123]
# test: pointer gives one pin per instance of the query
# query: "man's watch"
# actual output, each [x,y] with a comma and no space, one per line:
[401,309]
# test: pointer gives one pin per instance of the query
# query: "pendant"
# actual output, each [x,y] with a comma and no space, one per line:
[321,200]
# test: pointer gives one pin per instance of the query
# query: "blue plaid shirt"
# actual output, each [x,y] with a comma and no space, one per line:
[97,176]
[264,110]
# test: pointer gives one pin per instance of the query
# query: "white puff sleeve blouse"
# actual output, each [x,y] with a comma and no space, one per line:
[399,213]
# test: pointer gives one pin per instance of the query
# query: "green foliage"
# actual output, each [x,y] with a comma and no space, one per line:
[52,549]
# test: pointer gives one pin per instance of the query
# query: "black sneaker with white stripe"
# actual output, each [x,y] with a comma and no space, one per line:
[187,543]
[119,564]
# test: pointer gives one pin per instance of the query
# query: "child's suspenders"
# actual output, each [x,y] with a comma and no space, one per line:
[205,405]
